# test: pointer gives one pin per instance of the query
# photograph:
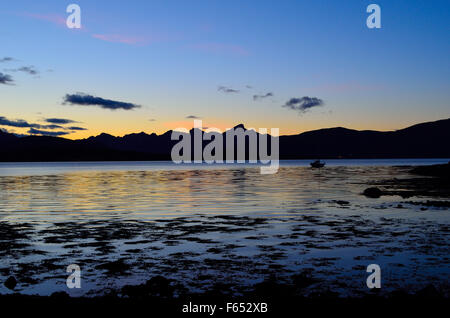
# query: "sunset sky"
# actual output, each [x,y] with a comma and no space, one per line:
[155,65]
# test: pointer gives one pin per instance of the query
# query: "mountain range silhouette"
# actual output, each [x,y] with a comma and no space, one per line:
[424,140]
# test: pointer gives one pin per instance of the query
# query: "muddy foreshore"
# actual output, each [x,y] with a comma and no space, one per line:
[290,261]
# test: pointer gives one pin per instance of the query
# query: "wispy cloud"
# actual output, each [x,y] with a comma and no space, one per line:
[125,39]
[89,100]
[6,59]
[220,48]
[134,39]
[262,96]
[38,129]
[6,79]
[25,69]
[28,69]
[303,104]
[227,89]
[61,121]
[34,131]
[76,128]
[193,117]
[20,123]
[52,126]
[54,18]
[55,123]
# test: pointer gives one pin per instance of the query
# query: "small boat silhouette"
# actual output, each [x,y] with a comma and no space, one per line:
[317,164]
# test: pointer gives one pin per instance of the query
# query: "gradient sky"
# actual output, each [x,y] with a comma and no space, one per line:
[170,57]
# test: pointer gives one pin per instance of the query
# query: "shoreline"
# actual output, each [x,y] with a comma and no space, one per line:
[316,250]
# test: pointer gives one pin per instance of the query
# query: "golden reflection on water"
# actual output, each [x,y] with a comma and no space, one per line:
[166,193]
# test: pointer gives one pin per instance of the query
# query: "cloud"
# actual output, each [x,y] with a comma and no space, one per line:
[141,39]
[262,96]
[6,59]
[76,128]
[28,69]
[220,48]
[303,104]
[124,39]
[89,100]
[34,131]
[20,123]
[193,117]
[52,127]
[152,119]
[61,121]
[57,19]
[227,89]
[6,79]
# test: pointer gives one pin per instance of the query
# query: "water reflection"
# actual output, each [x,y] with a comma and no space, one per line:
[233,223]
[154,194]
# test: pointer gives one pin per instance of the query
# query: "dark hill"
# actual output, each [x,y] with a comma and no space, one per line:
[423,140]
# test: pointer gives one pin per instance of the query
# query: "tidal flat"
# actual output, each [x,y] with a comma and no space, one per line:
[225,232]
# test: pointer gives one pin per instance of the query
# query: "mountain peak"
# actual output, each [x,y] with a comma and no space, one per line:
[424,140]
[239,126]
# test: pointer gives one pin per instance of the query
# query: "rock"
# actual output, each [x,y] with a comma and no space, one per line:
[441,170]
[10,283]
[429,292]
[115,267]
[157,286]
[373,192]
[60,295]
[303,280]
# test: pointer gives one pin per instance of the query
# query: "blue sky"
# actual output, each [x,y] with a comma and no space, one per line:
[170,57]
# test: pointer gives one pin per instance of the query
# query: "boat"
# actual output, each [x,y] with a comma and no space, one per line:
[317,164]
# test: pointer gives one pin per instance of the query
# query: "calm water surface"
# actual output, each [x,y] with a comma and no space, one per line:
[296,219]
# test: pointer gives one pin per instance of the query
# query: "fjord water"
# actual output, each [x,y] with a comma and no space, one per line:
[149,190]
[297,219]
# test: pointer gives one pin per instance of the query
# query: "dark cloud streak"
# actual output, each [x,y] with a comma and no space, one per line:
[6,79]
[19,123]
[262,96]
[303,104]
[89,100]
[76,128]
[61,121]
[25,69]
[6,59]
[34,131]
[227,89]
[28,69]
